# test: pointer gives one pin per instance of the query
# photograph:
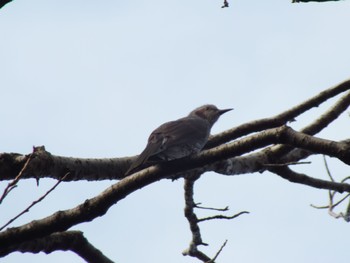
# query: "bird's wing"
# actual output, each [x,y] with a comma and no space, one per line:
[183,131]
[179,132]
[153,147]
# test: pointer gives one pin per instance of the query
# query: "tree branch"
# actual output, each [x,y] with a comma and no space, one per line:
[87,211]
[294,177]
[100,204]
[47,165]
[70,240]
[192,219]
[43,164]
[14,182]
[281,154]
[4,2]
[34,202]
[222,216]
[218,253]
[280,119]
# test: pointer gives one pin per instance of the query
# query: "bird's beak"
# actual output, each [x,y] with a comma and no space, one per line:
[223,111]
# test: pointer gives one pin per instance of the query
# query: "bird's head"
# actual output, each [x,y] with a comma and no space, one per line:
[208,112]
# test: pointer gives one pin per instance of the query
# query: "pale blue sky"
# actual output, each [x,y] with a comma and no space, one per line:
[94,78]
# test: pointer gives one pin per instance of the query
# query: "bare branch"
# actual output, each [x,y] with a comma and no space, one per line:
[345,216]
[4,2]
[35,202]
[47,165]
[211,208]
[189,212]
[345,179]
[347,213]
[329,116]
[327,168]
[222,216]
[218,253]
[280,119]
[331,195]
[44,164]
[331,205]
[280,153]
[193,221]
[99,205]
[87,211]
[292,176]
[13,183]
[70,240]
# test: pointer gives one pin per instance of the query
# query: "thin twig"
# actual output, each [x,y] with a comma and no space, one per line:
[222,216]
[35,202]
[340,201]
[331,195]
[347,213]
[345,179]
[193,221]
[218,253]
[211,208]
[327,168]
[333,205]
[13,184]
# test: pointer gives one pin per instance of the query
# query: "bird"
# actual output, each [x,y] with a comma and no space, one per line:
[179,138]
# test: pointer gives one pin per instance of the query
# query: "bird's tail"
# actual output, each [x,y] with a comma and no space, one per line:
[138,162]
[151,149]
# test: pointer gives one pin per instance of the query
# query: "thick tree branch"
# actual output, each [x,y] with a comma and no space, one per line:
[47,165]
[87,211]
[99,205]
[329,116]
[294,177]
[70,240]
[43,164]
[280,119]
[4,2]
[281,154]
